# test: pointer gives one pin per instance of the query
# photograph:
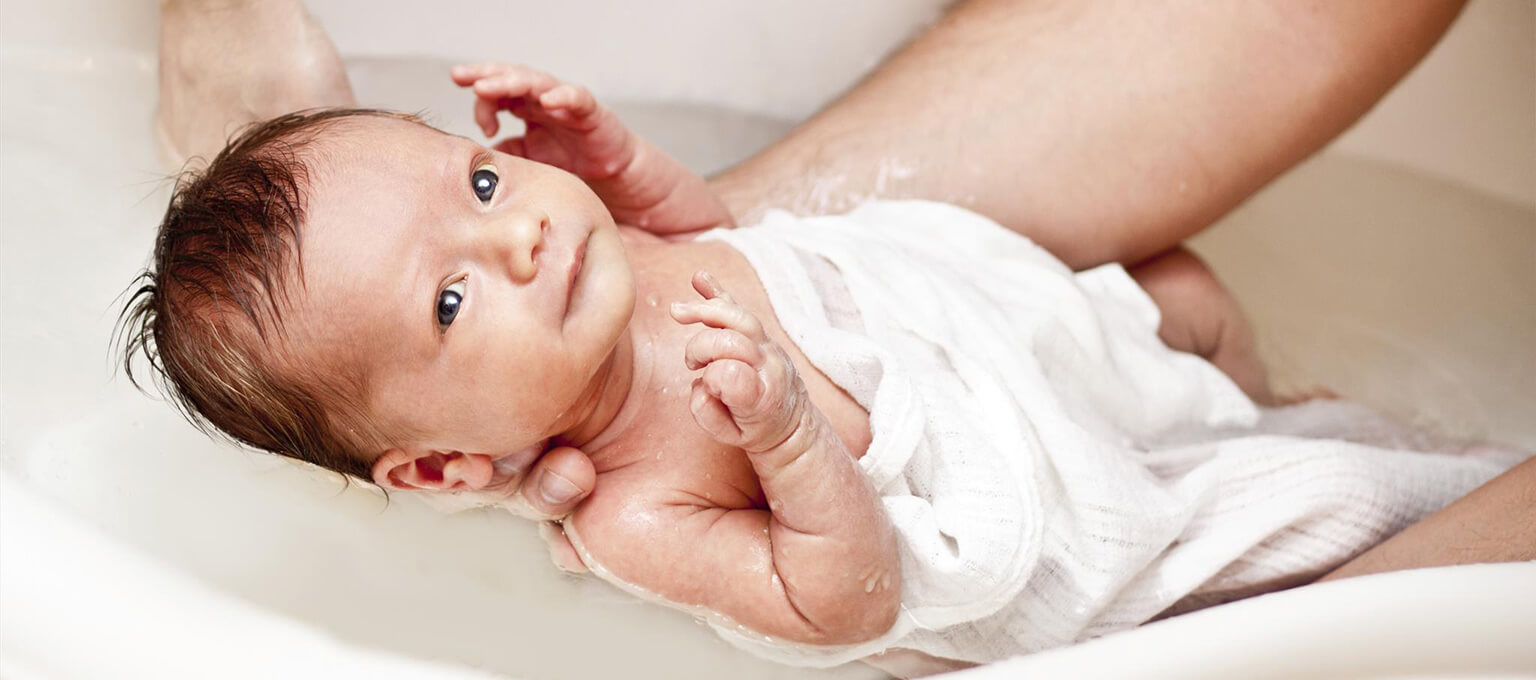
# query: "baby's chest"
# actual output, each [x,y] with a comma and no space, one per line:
[673,461]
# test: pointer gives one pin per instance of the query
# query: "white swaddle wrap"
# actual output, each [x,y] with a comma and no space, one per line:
[1050,466]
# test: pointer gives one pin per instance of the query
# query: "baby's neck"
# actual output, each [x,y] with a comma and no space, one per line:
[617,390]
[602,405]
[625,391]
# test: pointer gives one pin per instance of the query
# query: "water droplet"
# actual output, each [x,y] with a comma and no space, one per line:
[652,299]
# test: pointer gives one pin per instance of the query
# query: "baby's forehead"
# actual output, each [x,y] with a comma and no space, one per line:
[380,170]
[373,184]
[365,147]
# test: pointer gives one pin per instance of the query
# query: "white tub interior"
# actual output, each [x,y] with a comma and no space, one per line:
[1413,290]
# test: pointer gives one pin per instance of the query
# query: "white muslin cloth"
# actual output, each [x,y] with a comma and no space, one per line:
[1053,470]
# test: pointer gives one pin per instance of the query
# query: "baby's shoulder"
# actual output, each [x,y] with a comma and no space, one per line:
[640,515]
[633,526]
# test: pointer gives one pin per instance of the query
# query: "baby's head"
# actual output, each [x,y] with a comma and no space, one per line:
[358,290]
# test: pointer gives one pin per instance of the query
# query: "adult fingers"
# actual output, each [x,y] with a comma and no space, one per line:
[561,551]
[559,481]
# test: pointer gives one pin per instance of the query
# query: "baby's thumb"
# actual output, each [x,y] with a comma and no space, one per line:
[559,481]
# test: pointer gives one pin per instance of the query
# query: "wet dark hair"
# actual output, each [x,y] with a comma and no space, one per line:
[207,312]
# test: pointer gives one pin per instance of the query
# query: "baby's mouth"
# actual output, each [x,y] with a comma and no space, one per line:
[574,277]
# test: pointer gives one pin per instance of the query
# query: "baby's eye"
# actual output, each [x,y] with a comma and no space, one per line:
[448,303]
[483,181]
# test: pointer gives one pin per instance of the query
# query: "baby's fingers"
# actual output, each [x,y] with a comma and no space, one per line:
[485,116]
[573,99]
[514,146]
[514,84]
[712,415]
[734,383]
[719,313]
[505,80]
[713,344]
[706,285]
[465,75]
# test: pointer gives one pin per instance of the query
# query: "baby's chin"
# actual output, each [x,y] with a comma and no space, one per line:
[602,307]
[636,236]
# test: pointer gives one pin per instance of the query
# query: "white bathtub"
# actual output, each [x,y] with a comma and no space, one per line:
[1348,265]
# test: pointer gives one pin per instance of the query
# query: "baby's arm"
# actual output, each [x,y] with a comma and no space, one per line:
[1201,317]
[568,129]
[818,566]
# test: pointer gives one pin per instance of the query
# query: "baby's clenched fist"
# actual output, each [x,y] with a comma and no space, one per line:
[749,395]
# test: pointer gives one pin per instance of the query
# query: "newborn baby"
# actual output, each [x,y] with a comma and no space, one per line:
[903,428]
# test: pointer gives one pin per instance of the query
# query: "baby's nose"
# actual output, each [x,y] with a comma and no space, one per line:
[522,235]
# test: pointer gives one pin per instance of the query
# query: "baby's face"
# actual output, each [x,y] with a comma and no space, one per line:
[479,292]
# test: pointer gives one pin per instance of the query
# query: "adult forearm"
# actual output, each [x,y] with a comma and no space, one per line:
[1494,523]
[1102,130]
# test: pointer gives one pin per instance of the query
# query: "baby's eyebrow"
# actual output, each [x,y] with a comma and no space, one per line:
[417,303]
[423,219]
[457,159]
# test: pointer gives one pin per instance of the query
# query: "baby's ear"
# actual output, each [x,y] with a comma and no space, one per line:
[432,470]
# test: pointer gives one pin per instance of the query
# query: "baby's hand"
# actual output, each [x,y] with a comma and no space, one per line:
[825,532]
[567,128]
[749,395]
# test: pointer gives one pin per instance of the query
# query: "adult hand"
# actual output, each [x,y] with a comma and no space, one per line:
[555,484]
[535,483]
[531,482]
[1103,131]
[558,482]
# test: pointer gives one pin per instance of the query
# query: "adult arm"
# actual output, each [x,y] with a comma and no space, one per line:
[226,63]
[1494,523]
[1104,131]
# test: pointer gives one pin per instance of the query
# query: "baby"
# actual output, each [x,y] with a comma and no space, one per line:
[903,428]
